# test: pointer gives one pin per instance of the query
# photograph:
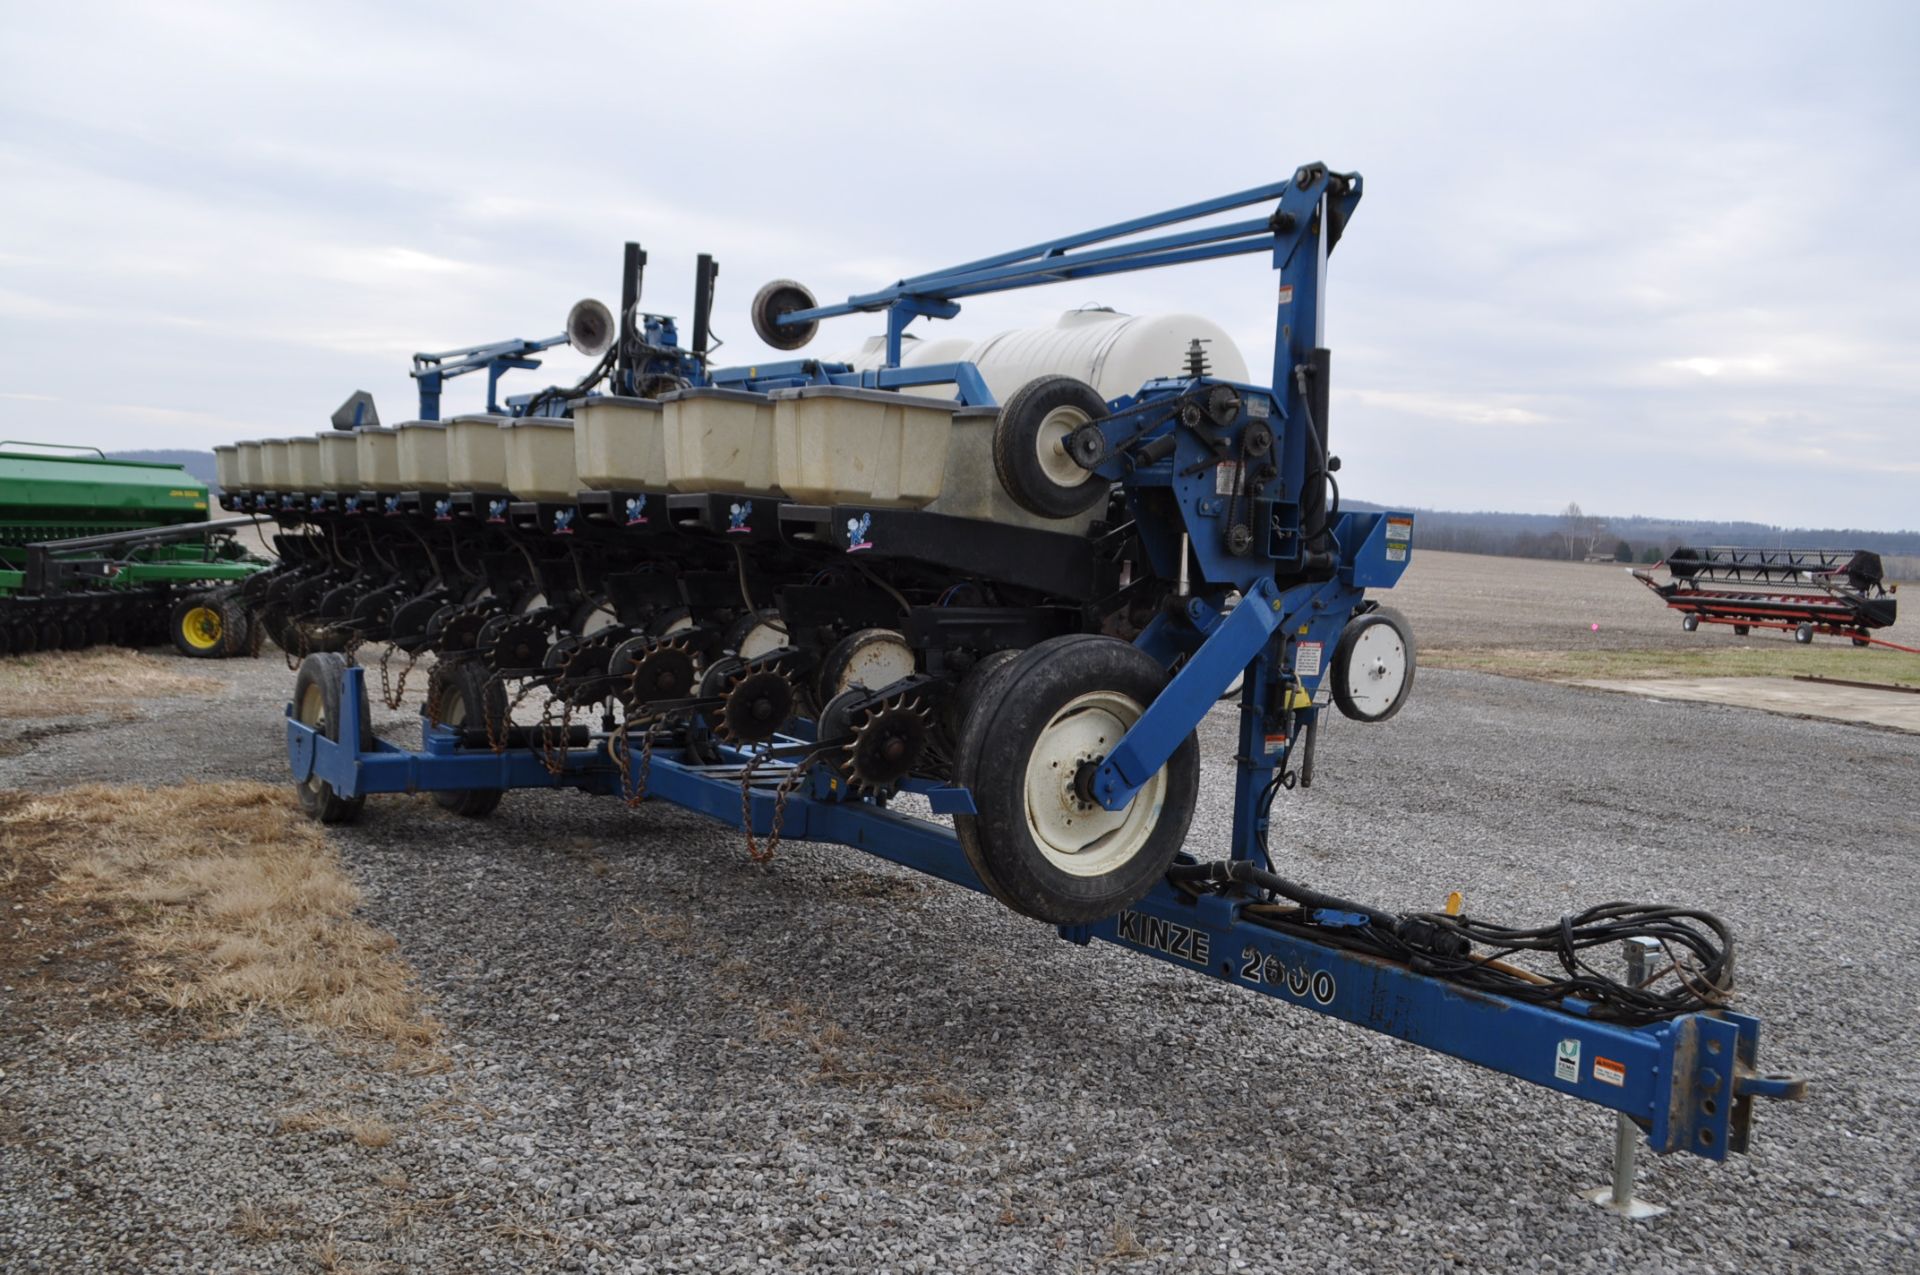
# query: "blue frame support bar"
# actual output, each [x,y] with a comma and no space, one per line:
[1689,1081]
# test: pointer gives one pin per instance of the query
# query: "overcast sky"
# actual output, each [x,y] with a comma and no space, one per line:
[1658,259]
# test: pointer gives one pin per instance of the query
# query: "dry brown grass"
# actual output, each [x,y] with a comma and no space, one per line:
[254,1224]
[367,1131]
[232,902]
[102,680]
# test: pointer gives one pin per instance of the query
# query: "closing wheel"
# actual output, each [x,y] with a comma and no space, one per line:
[783,296]
[461,693]
[198,627]
[1042,727]
[1373,667]
[318,690]
[1031,455]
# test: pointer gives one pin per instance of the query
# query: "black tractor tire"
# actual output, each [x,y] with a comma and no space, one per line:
[1048,717]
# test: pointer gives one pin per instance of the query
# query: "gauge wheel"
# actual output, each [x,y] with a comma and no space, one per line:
[198,626]
[1690,623]
[318,690]
[1803,634]
[755,634]
[592,616]
[1373,667]
[460,694]
[1031,456]
[873,658]
[1043,727]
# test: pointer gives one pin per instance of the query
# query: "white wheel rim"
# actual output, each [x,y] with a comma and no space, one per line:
[1051,444]
[876,665]
[1377,669]
[1082,838]
[760,640]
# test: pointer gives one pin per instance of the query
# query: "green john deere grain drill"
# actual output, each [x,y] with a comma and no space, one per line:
[96,551]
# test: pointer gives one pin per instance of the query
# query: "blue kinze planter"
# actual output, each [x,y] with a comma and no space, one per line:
[788,666]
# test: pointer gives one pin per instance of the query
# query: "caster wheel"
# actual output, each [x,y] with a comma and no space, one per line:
[1690,623]
[1803,635]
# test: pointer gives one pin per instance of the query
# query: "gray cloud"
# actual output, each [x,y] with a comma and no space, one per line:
[1653,258]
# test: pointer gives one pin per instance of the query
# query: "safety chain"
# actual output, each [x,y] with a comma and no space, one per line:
[392,695]
[635,793]
[291,655]
[496,740]
[554,759]
[757,851]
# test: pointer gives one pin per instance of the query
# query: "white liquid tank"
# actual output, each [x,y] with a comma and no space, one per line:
[1113,352]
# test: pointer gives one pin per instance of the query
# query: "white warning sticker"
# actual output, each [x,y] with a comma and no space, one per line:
[1306,659]
[1566,1062]
[1609,1072]
[1226,478]
[1397,553]
[1286,294]
[1399,528]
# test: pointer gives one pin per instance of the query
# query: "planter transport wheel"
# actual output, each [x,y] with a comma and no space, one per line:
[317,692]
[1039,731]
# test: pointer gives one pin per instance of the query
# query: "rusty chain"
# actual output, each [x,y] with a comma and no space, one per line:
[762,852]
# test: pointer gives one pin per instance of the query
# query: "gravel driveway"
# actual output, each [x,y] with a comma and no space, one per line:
[669,1059]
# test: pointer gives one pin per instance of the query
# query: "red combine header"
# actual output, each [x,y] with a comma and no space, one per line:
[1838,592]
